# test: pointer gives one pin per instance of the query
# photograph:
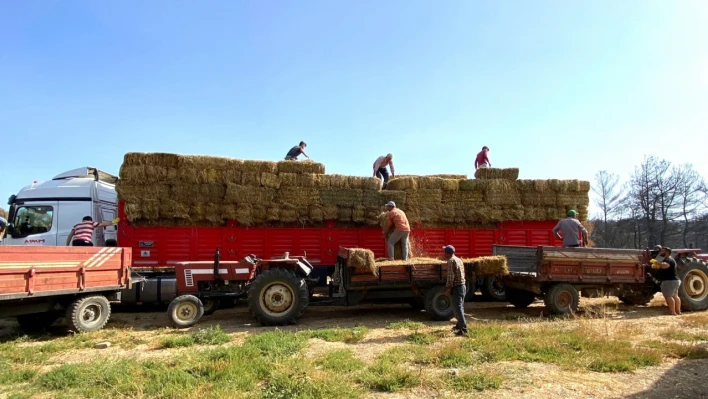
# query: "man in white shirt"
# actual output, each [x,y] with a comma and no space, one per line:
[380,168]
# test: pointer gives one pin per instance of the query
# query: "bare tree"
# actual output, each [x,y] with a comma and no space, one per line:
[690,198]
[609,195]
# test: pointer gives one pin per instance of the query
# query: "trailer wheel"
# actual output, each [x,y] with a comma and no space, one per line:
[210,306]
[493,288]
[278,297]
[437,304]
[89,313]
[562,299]
[37,321]
[519,298]
[694,284]
[637,300]
[185,311]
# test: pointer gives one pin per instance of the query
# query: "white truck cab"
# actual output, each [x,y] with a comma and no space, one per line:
[44,213]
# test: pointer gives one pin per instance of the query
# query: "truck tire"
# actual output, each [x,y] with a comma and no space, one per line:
[185,311]
[520,298]
[562,299]
[37,321]
[637,300]
[278,297]
[210,306]
[90,313]
[438,305]
[693,291]
[493,289]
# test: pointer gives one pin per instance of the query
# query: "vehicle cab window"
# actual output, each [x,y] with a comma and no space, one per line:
[30,220]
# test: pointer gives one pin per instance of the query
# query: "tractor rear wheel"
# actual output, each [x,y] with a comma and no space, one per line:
[519,298]
[185,311]
[562,299]
[438,305]
[693,291]
[210,306]
[278,297]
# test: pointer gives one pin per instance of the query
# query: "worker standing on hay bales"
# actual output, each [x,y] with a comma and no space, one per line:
[482,160]
[398,229]
[380,168]
[456,288]
[296,151]
[570,227]
[670,281]
[82,233]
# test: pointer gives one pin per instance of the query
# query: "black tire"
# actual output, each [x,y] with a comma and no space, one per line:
[493,289]
[185,311]
[417,303]
[210,306]
[37,321]
[90,313]
[438,305]
[278,297]
[637,300]
[562,299]
[520,298]
[693,291]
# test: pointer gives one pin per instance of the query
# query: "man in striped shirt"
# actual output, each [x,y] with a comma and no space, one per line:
[82,233]
[456,288]
[380,168]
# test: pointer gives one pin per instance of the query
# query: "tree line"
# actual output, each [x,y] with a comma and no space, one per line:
[660,203]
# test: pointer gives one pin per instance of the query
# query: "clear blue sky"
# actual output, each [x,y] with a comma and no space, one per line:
[558,89]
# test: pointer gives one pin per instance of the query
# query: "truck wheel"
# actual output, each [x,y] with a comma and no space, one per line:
[637,300]
[437,304]
[562,299]
[185,311]
[210,306]
[520,298]
[89,313]
[37,321]
[493,289]
[278,297]
[694,284]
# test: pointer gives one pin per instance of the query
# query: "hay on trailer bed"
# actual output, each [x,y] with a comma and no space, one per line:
[237,194]
[502,192]
[383,262]
[425,182]
[330,212]
[489,265]
[135,193]
[473,185]
[151,158]
[494,173]
[442,176]
[362,260]
[402,184]
[306,166]
[299,196]
[299,180]
[198,193]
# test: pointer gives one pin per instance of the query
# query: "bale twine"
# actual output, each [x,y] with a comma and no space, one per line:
[495,173]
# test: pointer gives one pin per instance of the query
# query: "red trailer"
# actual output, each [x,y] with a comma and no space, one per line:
[38,283]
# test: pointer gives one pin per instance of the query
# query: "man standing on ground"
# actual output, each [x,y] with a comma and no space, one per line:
[456,288]
[570,227]
[398,229]
[296,151]
[670,282]
[82,234]
[380,168]
[482,160]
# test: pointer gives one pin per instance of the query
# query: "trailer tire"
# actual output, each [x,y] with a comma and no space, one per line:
[90,313]
[637,300]
[210,306]
[693,291]
[562,299]
[185,311]
[520,298]
[278,297]
[493,289]
[438,306]
[37,321]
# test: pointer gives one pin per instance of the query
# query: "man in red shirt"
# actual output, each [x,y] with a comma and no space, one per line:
[82,233]
[482,160]
[398,228]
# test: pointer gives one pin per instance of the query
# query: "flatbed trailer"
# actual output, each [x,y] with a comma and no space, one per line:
[40,284]
[560,276]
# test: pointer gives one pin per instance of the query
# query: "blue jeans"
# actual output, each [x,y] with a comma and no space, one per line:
[458,306]
[394,238]
[382,173]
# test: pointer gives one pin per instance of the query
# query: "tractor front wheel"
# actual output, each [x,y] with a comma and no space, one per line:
[278,297]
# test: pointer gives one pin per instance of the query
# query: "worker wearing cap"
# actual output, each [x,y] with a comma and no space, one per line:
[380,168]
[398,229]
[296,151]
[668,275]
[482,160]
[570,227]
[456,288]
[82,233]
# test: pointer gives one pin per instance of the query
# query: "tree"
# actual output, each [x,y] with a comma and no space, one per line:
[609,195]
[691,198]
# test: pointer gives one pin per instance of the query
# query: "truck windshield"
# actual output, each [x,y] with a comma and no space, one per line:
[29,220]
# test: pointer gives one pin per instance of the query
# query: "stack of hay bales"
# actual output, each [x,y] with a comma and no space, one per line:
[178,190]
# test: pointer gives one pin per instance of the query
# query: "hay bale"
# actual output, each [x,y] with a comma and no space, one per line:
[463,198]
[362,260]
[306,166]
[288,213]
[411,261]
[495,173]
[133,212]
[399,197]
[299,180]
[228,212]
[370,183]
[259,213]
[489,265]
[273,213]
[335,181]
[358,214]
[330,212]
[170,209]
[237,194]
[571,199]
[205,162]
[344,214]
[425,182]
[213,214]
[144,174]
[316,213]
[502,192]
[232,176]
[535,213]
[259,167]
[371,216]
[198,193]
[134,193]
[424,196]
[473,185]
[299,196]
[270,180]
[151,158]
[403,184]
[150,209]
[584,186]
[252,179]
[447,213]
[244,214]
[341,196]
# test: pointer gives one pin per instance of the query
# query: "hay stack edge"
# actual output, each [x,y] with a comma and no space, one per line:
[181,190]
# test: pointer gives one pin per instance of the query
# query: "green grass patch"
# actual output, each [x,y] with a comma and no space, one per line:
[474,381]
[205,336]
[348,335]
[455,354]
[386,376]
[682,351]
[276,344]
[12,374]
[681,335]
[301,384]
[405,325]
[177,341]
[341,360]
[420,338]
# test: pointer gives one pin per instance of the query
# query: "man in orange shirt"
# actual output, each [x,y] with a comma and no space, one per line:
[398,228]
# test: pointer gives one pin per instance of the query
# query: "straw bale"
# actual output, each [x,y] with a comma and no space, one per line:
[288,213]
[424,196]
[196,193]
[535,213]
[273,213]
[411,261]
[133,193]
[463,198]
[559,186]
[370,183]
[358,214]
[151,158]
[572,199]
[170,209]
[356,182]
[270,180]
[362,260]
[399,197]
[299,180]
[134,174]
[228,212]
[341,196]
[372,198]
[259,167]
[582,212]
[402,183]
[344,214]
[133,212]
[502,192]
[584,186]
[473,185]
[199,162]
[334,181]
[495,173]
[259,214]
[489,265]
[237,194]
[244,214]
[316,213]
[150,209]
[299,196]
[372,215]
[447,213]
[425,182]
[232,176]
[252,179]
[303,214]
[212,213]
[330,212]
[306,166]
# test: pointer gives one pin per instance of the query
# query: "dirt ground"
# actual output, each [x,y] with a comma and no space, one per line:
[672,379]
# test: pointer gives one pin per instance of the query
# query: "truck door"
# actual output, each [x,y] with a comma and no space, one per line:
[34,224]
[110,232]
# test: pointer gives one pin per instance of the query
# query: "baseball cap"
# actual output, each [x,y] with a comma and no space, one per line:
[391,203]
[657,247]
[449,249]
[572,212]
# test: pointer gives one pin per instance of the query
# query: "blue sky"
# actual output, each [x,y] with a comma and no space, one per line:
[558,89]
